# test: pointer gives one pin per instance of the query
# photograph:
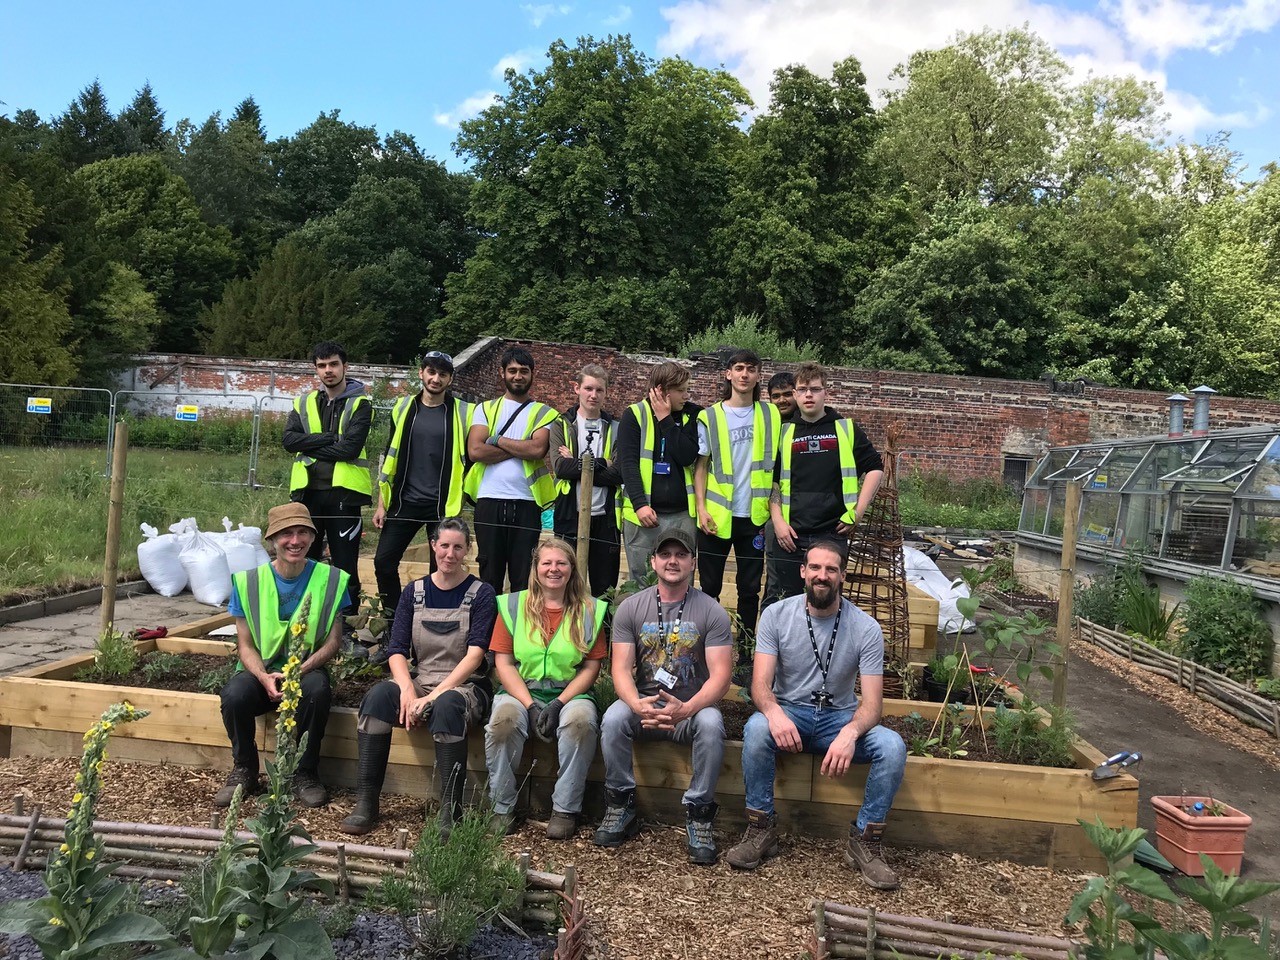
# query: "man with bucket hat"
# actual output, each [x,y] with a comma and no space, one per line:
[266,603]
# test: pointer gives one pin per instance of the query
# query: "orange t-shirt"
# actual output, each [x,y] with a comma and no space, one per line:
[502,641]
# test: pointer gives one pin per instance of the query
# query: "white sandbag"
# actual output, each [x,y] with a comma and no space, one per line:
[209,575]
[240,555]
[158,560]
[924,573]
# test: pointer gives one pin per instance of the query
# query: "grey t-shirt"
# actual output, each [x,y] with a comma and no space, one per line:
[426,455]
[859,648]
[702,624]
[740,422]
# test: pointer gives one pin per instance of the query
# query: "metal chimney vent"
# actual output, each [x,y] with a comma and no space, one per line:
[1200,416]
[1176,404]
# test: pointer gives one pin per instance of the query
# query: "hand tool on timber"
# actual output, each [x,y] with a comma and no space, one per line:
[1112,766]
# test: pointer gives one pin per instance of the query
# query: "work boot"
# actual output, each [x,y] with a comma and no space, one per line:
[620,821]
[562,826]
[238,777]
[308,790]
[758,844]
[451,768]
[502,824]
[699,842]
[374,750]
[865,853]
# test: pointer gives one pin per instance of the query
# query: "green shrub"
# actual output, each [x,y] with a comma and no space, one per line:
[1139,608]
[1096,601]
[1269,687]
[749,332]
[212,681]
[1022,736]
[114,656]
[1224,630]
[932,498]
[159,665]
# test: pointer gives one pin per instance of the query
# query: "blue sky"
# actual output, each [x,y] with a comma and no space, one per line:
[420,67]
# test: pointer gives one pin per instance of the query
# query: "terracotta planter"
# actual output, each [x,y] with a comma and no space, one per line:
[1181,836]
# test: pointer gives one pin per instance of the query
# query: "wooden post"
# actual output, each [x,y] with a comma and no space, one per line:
[111,565]
[586,485]
[1066,591]
[871,932]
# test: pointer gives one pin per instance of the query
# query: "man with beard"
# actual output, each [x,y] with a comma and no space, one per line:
[508,478]
[810,651]
[420,483]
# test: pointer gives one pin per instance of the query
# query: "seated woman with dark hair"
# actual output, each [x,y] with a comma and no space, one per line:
[439,640]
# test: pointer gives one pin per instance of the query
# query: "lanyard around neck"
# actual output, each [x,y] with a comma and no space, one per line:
[823,667]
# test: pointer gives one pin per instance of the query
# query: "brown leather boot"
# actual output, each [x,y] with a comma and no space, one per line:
[864,853]
[758,844]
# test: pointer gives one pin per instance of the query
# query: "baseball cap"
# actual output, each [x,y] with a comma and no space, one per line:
[285,516]
[682,537]
[437,359]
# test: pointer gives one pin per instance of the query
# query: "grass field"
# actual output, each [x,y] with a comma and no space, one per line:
[55,535]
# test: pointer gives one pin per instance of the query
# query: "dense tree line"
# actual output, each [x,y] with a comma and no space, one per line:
[991,217]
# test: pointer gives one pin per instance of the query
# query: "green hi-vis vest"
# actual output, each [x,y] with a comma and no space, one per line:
[452,491]
[648,441]
[348,474]
[765,429]
[541,484]
[546,670]
[565,487]
[848,470]
[256,589]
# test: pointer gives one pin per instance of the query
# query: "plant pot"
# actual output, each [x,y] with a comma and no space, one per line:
[1182,836]
[936,690]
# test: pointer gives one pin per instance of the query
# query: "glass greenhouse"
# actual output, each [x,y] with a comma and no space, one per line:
[1210,500]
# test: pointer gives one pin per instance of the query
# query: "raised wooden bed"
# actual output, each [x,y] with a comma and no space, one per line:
[1005,811]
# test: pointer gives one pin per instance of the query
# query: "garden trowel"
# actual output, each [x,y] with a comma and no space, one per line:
[1112,766]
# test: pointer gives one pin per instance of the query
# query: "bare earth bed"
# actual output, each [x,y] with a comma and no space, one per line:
[644,900]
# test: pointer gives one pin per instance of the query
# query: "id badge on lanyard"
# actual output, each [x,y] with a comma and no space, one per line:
[661,467]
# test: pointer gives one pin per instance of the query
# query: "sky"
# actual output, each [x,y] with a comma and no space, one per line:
[423,66]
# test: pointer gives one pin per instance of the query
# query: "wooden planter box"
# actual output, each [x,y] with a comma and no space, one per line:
[997,811]
[1181,836]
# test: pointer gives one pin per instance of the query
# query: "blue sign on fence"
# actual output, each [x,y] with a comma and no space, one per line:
[187,411]
[39,405]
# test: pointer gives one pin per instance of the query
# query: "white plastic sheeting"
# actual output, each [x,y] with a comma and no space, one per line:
[924,573]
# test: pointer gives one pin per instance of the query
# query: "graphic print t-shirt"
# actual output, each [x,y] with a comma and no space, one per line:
[682,643]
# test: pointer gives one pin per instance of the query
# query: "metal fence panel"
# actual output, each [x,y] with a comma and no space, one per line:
[39,415]
[180,421]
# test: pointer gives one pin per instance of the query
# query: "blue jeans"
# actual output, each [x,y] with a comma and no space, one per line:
[880,747]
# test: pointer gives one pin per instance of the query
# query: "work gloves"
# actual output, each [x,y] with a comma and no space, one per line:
[546,719]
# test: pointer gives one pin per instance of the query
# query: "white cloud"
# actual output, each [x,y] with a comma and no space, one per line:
[519,61]
[755,37]
[468,108]
[540,13]
[618,17]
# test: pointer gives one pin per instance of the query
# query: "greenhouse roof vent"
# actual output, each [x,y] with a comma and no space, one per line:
[1176,420]
[1200,416]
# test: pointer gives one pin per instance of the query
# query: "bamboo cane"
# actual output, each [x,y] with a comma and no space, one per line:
[111,563]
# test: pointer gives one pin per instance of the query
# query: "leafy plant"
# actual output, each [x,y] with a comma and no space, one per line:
[370,616]
[1224,630]
[450,889]
[1021,735]
[343,668]
[114,656]
[1096,601]
[83,913]
[1269,687]
[1141,610]
[749,331]
[159,665]
[212,681]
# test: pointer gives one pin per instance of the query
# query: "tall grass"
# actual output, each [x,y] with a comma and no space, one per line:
[931,498]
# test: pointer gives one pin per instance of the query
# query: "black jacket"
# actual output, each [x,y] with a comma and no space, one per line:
[564,433]
[680,430]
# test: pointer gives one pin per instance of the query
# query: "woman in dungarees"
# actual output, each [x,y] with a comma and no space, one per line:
[439,640]
[548,644]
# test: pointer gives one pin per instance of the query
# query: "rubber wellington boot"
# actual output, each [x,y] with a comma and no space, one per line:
[451,768]
[375,750]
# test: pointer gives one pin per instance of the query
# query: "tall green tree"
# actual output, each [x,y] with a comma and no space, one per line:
[33,315]
[250,114]
[142,123]
[318,166]
[600,180]
[87,131]
[149,221]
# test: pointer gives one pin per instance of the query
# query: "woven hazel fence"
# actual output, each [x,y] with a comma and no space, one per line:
[844,931]
[1223,692]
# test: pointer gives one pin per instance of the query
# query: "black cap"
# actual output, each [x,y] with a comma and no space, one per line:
[682,537]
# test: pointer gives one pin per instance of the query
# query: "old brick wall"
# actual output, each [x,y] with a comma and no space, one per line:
[965,426]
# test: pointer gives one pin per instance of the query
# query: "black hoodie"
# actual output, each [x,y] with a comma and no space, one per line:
[816,500]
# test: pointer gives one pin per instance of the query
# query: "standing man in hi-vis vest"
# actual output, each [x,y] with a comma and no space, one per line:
[588,427]
[737,448]
[420,483]
[266,603]
[826,476]
[657,447]
[326,431]
[508,478]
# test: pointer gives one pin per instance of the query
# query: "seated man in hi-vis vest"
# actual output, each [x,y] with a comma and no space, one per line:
[266,603]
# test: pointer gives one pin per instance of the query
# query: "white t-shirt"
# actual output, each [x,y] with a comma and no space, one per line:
[598,493]
[505,480]
[741,424]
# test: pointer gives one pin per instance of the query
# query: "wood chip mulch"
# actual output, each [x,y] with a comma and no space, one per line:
[1204,716]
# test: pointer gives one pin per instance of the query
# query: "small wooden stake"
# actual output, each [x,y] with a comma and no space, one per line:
[402,839]
[1066,593]
[111,565]
[344,886]
[17,804]
[586,485]
[871,932]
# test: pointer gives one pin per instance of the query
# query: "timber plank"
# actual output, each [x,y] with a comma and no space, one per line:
[198,628]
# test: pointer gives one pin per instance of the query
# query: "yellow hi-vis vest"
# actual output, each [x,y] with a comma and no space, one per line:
[848,470]
[546,670]
[564,488]
[648,441]
[451,494]
[541,484]
[348,474]
[256,590]
[766,425]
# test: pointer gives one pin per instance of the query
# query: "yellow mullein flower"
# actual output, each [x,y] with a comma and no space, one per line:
[64,849]
[55,922]
[77,798]
[88,855]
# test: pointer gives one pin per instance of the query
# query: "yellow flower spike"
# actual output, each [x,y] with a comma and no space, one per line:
[55,922]
[78,797]
[88,855]
[64,849]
